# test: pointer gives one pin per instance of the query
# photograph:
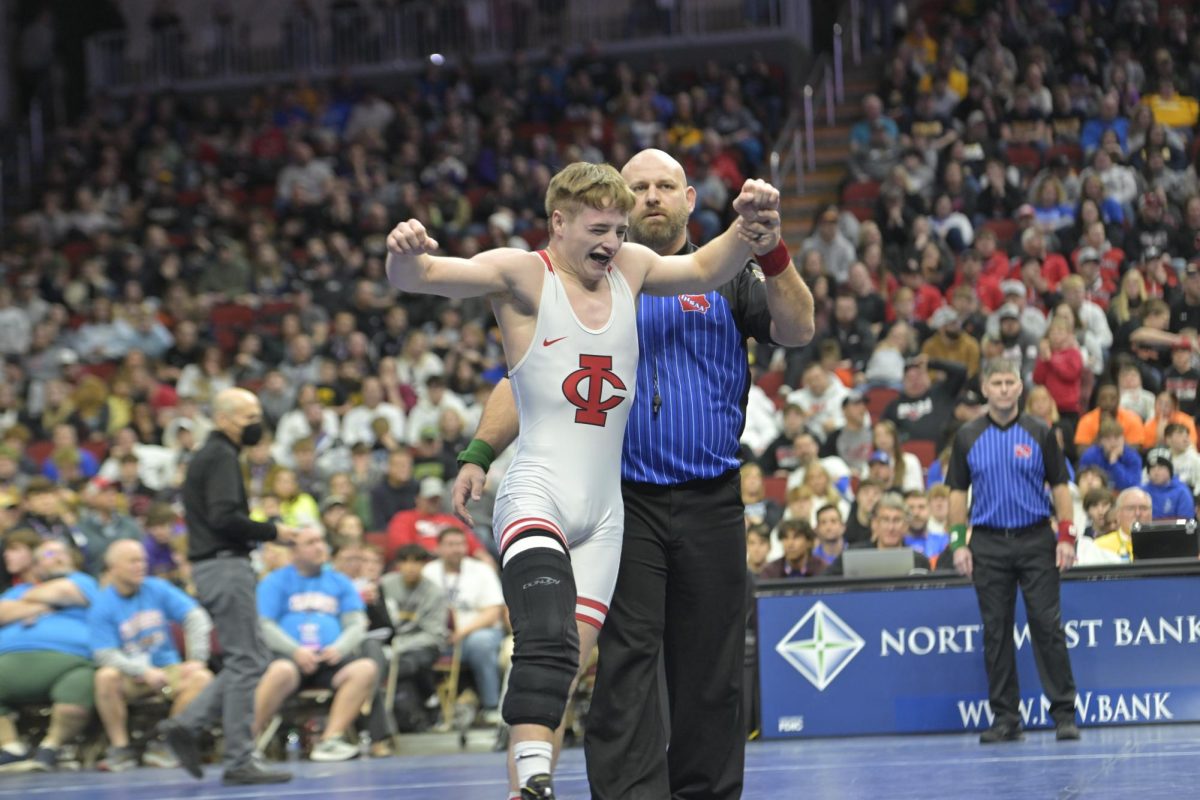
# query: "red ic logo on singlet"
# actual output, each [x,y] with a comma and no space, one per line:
[1022,451]
[594,408]
[694,302]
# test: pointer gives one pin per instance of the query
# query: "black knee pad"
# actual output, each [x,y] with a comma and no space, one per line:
[539,588]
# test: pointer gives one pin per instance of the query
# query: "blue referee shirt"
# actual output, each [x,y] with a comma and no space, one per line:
[1008,468]
[694,361]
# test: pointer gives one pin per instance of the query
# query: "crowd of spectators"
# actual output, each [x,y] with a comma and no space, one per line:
[183,245]
[1023,184]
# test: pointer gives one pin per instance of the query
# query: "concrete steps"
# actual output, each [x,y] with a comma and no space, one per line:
[832,144]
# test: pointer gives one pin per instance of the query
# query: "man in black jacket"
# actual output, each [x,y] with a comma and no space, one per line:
[923,409]
[220,538]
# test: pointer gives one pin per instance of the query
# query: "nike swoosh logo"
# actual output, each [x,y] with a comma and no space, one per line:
[548,342]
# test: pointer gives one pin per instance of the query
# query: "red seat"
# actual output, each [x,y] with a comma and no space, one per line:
[1072,151]
[536,237]
[924,449]
[878,398]
[861,213]
[1025,157]
[1003,229]
[770,382]
[98,449]
[229,321]
[776,488]
[77,251]
[860,192]
[39,451]
[376,539]
[105,370]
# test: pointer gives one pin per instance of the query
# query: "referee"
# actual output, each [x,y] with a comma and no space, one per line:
[681,589]
[220,538]
[1007,459]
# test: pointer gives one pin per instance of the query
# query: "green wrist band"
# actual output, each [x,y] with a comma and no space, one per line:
[478,452]
[958,536]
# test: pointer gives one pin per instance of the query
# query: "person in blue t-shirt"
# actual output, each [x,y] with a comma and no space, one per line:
[46,655]
[1169,497]
[314,619]
[132,642]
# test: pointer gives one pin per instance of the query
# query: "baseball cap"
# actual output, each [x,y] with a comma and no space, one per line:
[1089,254]
[1026,210]
[1013,287]
[1160,457]
[100,484]
[432,487]
[1192,268]
[943,317]
[331,501]
[915,362]
[880,457]
[976,117]
[429,433]
[970,398]
[1009,311]
[1149,254]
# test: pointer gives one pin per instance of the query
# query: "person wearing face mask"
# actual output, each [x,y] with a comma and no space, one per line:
[221,535]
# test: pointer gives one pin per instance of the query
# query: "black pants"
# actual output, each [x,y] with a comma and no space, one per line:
[680,592]
[1001,564]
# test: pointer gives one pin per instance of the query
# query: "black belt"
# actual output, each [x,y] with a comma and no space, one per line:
[1037,527]
[227,553]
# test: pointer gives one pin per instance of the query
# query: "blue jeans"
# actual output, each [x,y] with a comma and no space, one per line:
[481,652]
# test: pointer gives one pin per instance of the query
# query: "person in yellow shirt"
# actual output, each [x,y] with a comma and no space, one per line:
[1133,505]
[1171,109]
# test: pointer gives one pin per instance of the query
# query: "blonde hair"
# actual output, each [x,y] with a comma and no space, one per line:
[1041,391]
[597,186]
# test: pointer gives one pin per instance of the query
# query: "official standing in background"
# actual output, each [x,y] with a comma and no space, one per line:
[1007,459]
[681,589]
[220,538]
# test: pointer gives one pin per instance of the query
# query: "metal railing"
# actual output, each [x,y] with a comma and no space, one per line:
[376,40]
[795,149]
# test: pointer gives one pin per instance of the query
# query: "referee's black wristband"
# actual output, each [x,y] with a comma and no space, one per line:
[479,453]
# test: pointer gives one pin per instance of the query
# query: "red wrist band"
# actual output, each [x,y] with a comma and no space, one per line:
[1066,531]
[776,261]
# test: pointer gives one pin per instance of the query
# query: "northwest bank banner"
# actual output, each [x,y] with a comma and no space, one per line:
[911,660]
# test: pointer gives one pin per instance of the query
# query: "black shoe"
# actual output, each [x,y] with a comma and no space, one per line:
[44,760]
[182,743]
[538,787]
[1066,731]
[252,773]
[1002,732]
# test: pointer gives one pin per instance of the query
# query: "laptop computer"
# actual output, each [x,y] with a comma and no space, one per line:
[874,563]
[1165,539]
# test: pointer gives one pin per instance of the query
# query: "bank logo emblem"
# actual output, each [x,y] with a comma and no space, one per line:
[820,645]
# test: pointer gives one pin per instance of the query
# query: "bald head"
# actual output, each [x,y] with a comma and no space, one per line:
[126,563]
[664,201]
[238,414]
[122,549]
[229,402]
